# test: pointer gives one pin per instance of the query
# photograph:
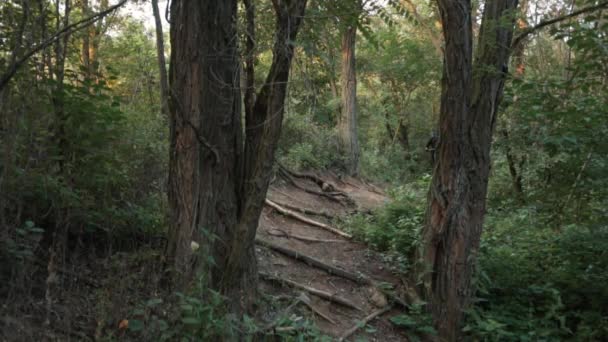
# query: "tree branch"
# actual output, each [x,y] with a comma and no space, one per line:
[525,33]
[69,29]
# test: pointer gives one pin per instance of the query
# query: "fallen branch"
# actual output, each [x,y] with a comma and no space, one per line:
[304,299]
[283,233]
[311,261]
[319,293]
[363,323]
[305,211]
[304,219]
[314,262]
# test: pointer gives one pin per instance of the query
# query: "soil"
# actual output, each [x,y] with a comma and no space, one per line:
[339,251]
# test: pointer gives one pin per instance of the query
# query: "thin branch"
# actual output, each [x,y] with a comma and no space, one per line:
[518,39]
[67,30]
[319,293]
[314,262]
[364,322]
[304,219]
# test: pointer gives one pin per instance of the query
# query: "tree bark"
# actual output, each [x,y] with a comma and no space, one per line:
[347,121]
[217,184]
[204,158]
[86,44]
[457,196]
[162,66]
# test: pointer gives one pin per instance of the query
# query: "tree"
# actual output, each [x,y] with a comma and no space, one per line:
[217,179]
[347,120]
[162,68]
[457,196]
[471,93]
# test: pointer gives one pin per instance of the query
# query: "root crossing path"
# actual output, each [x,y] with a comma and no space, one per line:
[344,287]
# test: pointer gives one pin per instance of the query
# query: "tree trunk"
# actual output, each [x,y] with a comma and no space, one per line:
[513,164]
[347,121]
[204,158]
[457,197]
[86,44]
[162,68]
[217,185]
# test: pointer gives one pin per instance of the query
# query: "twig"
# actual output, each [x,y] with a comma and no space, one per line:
[283,233]
[304,299]
[517,40]
[363,323]
[319,293]
[305,211]
[304,219]
[12,69]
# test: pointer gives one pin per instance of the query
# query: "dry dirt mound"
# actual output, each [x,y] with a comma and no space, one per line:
[299,258]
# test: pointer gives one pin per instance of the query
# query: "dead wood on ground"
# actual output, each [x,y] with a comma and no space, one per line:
[304,219]
[319,293]
[363,322]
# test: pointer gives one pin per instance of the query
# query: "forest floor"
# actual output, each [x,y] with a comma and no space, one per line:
[309,198]
[102,285]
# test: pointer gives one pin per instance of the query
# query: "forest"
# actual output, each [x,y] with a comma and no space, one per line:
[303,170]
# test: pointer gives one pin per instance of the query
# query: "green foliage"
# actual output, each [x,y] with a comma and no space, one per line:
[394,228]
[538,283]
[193,317]
[416,321]
[305,144]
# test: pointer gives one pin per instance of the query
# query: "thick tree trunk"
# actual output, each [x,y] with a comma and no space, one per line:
[217,185]
[263,129]
[347,121]
[457,197]
[205,137]
[162,67]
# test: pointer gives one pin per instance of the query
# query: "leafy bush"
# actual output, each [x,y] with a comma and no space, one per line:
[305,144]
[535,282]
[394,228]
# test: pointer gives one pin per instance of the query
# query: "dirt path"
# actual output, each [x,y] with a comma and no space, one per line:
[335,250]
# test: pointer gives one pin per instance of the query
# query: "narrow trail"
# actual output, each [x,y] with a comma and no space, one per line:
[362,294]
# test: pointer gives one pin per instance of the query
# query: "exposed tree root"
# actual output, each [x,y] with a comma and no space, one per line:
[305,211]
[325,186]
[311,261]
[328,191]
[363,322]
[306,300]
[282,233]
[304,219]
[319,293]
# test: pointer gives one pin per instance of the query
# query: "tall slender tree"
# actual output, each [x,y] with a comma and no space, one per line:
[162,67]
[457,197]
[471,94]
[217,179]
[347,120]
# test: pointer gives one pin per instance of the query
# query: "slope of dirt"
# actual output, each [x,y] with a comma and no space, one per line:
[336,250]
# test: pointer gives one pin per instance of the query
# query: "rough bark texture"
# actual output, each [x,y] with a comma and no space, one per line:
[162,68]
[217,184]
[205,135]
[457,197]
[347,121]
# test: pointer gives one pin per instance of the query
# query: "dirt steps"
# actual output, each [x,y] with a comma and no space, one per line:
[341,252]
